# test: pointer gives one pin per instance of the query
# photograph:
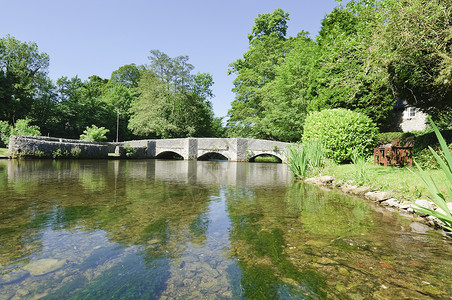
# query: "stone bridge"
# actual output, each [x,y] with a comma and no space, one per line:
[232,149]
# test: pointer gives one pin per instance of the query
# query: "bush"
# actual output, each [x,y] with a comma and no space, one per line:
[341,131]
[23,128]
[94,134]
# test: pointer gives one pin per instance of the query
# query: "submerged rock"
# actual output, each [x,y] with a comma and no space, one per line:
[44,266]
[419,227]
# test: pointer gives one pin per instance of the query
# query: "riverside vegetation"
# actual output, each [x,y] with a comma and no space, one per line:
[405,184]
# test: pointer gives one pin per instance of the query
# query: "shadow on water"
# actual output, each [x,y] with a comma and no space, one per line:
[150,229]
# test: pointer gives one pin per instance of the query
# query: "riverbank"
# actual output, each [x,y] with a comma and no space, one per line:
[392,200]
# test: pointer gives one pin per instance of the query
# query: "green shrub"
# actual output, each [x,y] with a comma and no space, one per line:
[94,134]
[341,131]
[5,131]
[22,127]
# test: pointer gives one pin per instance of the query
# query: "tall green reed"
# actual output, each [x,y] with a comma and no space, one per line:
[304,158]
[437,197]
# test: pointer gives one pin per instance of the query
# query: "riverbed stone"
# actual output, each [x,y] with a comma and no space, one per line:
[13,276]
[419,227]
[44,266]
[378,196]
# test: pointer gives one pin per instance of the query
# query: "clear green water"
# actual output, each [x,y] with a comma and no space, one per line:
[154,229]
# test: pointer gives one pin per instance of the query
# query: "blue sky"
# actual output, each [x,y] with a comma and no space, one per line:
[93,37]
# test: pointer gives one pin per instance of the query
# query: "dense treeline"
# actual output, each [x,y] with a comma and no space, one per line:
[368,55]
[162,99]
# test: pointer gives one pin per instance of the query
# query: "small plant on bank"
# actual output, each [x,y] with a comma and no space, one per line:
[59,153]
[39,153]
[75,152]
[94,134]
[361,175]
[437,197]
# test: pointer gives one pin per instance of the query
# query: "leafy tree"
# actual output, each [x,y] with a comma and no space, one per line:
[291,92]
[267,47]
[413,43]
[347,75]
[127,76]
[22,71]
[94,133]
[172,101]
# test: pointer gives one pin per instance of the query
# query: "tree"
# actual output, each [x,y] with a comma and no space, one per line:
[268,46]
[127,76]
[172,102]
[347,75]
[22,70]
[413,43]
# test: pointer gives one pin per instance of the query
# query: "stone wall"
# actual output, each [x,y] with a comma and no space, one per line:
[47,147]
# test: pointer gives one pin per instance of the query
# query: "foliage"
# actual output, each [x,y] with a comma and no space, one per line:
[130,152]
[94,133]
[172,101]
[306,157]
[255,72]
[436,195]
[341,131]
[412,42]
[22,72]
[5,132]
[59,153]
[23,128]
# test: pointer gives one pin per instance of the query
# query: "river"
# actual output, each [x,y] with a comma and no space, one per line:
[168,229]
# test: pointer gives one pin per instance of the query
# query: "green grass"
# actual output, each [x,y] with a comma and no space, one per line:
[401,181]
[3,151]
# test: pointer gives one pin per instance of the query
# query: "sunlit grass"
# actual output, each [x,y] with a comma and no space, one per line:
[3,151]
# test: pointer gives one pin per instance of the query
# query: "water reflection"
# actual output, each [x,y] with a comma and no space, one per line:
[156,229]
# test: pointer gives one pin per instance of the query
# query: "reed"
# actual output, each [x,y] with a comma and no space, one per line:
[304,158]
[437,196]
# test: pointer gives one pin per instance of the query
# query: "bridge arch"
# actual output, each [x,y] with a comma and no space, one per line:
[212,156]
[265,154]
[169,155]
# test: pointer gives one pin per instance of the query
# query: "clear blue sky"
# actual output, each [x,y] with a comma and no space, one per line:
[93,37]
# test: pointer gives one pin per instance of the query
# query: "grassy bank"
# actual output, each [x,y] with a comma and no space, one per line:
[401,181]
[3,151]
